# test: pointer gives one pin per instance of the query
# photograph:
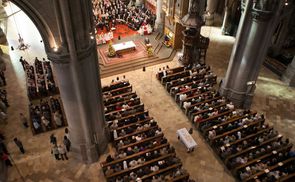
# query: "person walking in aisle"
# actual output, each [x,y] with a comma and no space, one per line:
[19,145]
[62,152]
[24,120]
[67,143]
[55,152]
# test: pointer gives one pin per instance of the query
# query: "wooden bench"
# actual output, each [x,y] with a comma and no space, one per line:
[133,124]
[112,107]
[113,100]
[258,122]
[253,147]
[170,71]
[135,133]
[130,169]
[105,164]
[136,107]
[273,153]
[256,134]
[197,124]
[271,168]
[115,86]
[140,142]
[127,117]
[174,166]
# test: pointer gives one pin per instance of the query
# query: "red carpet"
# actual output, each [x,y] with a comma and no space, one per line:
[121,29]
[140,52]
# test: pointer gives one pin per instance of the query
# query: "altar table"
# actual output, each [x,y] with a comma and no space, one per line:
[124,47]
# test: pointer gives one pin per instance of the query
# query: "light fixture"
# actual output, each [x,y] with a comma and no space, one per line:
[55,49]
[91,37]
[286,3]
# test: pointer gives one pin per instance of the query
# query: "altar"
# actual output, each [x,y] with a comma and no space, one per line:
[124,47]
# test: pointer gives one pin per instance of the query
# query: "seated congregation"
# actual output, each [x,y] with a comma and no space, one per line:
[45,109]
[107,13]
[40,81]
[142,153]
[250,148]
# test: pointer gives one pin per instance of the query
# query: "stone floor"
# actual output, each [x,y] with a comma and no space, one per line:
[272,97]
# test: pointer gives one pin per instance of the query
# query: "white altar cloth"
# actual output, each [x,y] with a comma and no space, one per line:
[124,46]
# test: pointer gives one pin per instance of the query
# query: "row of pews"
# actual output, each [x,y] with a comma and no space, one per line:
[142,151]
[45,109]
[40,82]
[251,149]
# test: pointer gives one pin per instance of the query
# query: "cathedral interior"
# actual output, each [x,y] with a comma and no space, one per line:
[147,90]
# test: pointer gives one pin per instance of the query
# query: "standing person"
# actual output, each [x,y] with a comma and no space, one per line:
[55,152]
[62,152]
[24,120]
[67,132]
[6,159]
[67,143]
[19,144]
[53,139]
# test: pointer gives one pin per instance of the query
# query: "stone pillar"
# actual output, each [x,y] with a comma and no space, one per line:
[210,10]
[254,34]
[231,16]
[159,20]
[280,36]
[289,75]
[75,64]
[225,19]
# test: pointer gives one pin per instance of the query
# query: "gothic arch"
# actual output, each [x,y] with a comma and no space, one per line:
[39,22]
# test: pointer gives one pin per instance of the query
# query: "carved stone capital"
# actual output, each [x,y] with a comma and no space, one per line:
[64,57]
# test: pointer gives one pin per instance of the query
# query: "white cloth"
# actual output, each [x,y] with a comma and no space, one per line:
[186,138]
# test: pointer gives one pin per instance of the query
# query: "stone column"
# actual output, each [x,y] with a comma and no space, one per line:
[279,38]
[159,20]
[254,34]
[225,18]
[75,65]
[289,75]
[210,10]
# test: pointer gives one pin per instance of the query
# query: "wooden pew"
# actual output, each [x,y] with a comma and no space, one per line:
[232,120]
[130,169]
[288,178]
[173,93]
[135,133]
[183,81]
[105,164]
[112,107]
[120,91]
[132,124]
[258,122]
[174,166]
[207,110]
[136,107]
[270,168]
[113,100]
[140,142]
[115,86]
[284,148]
[248,150]
[127,117]
[170,71]
[256,134]
[197,124]
[199,103]
[174,76]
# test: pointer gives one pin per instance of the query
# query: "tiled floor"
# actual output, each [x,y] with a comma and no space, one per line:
[272,98]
